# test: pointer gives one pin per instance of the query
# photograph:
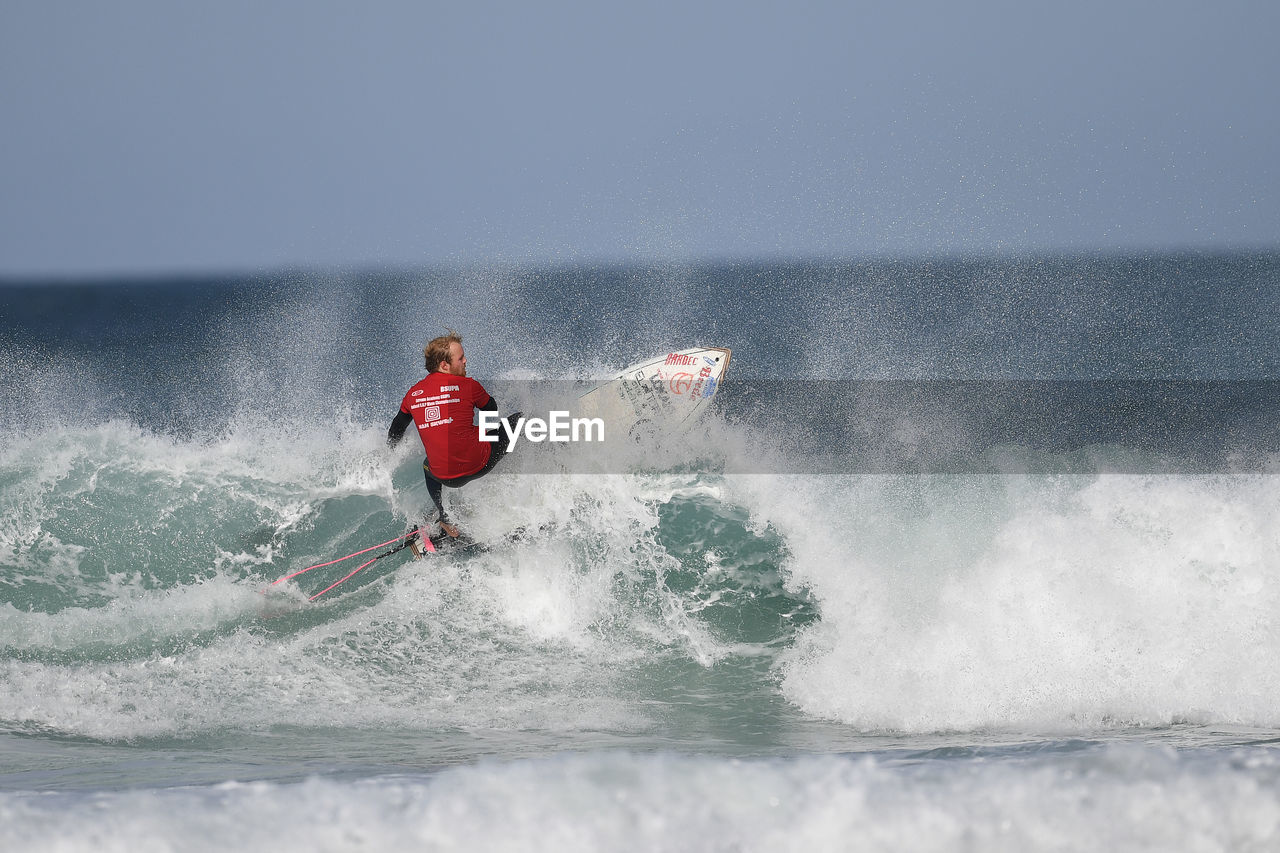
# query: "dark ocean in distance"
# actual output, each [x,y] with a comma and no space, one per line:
[966,555]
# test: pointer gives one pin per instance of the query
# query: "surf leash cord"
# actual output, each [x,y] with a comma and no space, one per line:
[399,544]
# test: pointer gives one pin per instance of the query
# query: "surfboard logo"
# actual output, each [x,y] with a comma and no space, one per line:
[680,383]
[703,375]
[679,360]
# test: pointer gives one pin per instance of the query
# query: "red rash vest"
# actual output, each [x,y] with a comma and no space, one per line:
[441,406]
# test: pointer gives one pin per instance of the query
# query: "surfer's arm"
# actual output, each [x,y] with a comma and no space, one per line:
[398,426]
[477,392]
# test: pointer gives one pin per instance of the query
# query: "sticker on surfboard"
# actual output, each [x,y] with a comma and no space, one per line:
[668,391]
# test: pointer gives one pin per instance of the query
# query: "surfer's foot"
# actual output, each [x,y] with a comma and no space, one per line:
[453,532]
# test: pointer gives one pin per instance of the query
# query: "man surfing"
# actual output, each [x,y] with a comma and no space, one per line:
[443,407]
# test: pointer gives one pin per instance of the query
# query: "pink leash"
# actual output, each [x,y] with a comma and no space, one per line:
[426,542]
[340,559]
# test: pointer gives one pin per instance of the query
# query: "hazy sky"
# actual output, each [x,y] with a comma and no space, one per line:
[184,136]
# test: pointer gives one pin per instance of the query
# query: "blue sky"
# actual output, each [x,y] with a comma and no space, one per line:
[238,136]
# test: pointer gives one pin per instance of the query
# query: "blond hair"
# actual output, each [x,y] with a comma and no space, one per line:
[438,350]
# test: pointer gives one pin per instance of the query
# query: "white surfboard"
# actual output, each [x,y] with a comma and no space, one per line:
[667,392]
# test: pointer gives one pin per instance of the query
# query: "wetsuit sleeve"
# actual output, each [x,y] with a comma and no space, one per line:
[491,406]
[398,426]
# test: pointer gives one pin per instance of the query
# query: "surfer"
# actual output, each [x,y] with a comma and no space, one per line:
[443,407]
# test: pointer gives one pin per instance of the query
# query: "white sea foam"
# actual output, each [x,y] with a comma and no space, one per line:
[960,603]
[1120,798]
[414,659]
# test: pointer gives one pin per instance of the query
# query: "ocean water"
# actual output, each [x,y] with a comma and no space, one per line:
[969,555]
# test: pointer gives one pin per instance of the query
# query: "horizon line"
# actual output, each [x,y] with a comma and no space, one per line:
[20,278]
